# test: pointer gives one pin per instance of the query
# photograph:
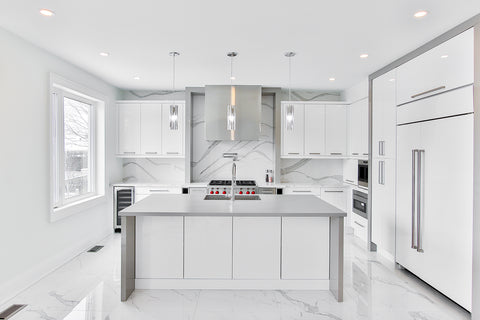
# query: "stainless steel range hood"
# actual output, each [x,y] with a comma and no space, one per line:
[248,102]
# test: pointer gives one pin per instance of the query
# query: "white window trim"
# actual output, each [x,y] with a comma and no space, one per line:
[97,197]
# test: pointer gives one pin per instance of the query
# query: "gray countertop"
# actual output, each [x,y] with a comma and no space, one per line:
[268,206]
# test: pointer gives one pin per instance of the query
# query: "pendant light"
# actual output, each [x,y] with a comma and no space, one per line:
[231,108]
[289,116]
[173,115]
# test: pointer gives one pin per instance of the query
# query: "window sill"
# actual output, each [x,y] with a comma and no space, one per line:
[76,207]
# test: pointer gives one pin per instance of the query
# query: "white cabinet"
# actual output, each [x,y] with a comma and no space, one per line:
[143,192]
[151,129]
[159,247]
[358,128]
[314,130]
[301,237]
[384,114]
[208,247]
[172,139]
[383,204]
[360,226]
[144,130]
[337,197]
[293,139]
[256,248]
[336,130]
[129,129]
[445,67]
[350,171]
[302,190]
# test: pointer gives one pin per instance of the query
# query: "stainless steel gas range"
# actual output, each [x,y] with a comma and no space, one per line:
[224,186]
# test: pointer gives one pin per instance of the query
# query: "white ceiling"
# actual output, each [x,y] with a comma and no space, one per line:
[328,37]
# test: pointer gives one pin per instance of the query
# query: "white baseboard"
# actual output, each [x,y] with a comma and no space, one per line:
[220,284]
[25,280]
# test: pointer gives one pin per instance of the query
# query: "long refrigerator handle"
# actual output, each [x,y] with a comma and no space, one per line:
[414,187]
[420,185]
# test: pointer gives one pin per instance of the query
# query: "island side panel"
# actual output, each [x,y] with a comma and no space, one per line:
[336,257]
[128,257]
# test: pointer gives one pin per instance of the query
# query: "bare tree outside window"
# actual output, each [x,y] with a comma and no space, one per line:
[77,147]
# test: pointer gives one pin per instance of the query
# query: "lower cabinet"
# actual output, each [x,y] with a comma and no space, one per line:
[208,247]
[159,247]
[337,197]
[305,248]
[256,248]
[360,226]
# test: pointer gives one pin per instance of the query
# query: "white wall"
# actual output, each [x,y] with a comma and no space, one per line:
[30,245]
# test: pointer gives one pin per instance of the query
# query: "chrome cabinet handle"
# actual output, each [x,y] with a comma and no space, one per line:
[351,181]
[381,172]
[158,190]
[361,225]
[301,191]
[419,199]
[151,152]
[128,152]
[293,153]
[315,153]
[428,91]
[381,148]
[336,153]
[172,152]
[333,191]
[355,153]
[414,165]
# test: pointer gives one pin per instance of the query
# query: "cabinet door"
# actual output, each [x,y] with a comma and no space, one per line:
[335,196]
[208,247]
[128,129]
[172,140]
[159,248]
[363,119]
[383,204]
[384,116]
[151,129]
[256,248]
[336,130]
[293,140]
[314,130]
[445,67]
[358,128]
[350,171]
[305,248]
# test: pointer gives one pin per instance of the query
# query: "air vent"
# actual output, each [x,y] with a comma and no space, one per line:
[11,311]
[95,249]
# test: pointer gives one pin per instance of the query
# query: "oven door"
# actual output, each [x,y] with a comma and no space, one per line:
[359,203]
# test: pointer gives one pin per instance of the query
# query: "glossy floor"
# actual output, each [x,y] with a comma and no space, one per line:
[88,287]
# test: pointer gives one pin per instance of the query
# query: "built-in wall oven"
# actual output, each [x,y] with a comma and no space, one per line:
[360,203]
[123,197]
[363,173]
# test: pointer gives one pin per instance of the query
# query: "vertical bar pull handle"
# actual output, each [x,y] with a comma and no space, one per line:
[381,147]
[414,185]
[383,172]
[420,168]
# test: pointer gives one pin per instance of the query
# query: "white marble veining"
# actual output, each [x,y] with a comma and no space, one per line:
[153,170]
[316,171]
[88,287]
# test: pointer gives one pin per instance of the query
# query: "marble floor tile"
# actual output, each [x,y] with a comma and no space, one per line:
[88,288]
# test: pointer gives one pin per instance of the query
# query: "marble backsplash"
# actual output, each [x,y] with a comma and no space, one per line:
[254,157]
[151,170]
[321,171]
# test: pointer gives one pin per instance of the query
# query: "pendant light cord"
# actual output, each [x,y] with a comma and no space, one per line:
[289,78]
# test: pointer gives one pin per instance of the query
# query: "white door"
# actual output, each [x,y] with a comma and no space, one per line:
[151,129]
[128,129]
[159,248]
[336,130]
[173,139]
[314,130]
[293,139]
[383,204]
[256,248]
[305,248]
[208,247]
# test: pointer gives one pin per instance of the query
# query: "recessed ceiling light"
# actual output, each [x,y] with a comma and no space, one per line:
[104,54]
[232,78]
[364,56]
[420,14]
[331,79]
[444,56]
[392,80]
[47,13]
[136,78]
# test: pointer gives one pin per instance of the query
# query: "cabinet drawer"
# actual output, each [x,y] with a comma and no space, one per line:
[302,191]
[360,226]
[148,190]
[337,197]
[445,67]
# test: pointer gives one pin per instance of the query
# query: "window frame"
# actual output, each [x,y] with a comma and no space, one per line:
[61,207]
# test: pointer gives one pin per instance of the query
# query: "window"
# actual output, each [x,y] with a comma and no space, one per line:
[77,148]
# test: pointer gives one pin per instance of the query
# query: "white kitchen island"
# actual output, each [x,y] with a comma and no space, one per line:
[278,242]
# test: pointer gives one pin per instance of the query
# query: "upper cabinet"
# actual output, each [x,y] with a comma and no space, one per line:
[145,130]
[358,129]
[318,130]
[384,116]
[445,67]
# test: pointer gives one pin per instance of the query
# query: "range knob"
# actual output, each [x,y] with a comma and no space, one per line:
[211,192]
[224,192]
[253,192]
[248,192]
[241,192]
[216,192]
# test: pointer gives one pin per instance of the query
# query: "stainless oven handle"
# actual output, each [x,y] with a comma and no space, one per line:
[414,158]
[419,199]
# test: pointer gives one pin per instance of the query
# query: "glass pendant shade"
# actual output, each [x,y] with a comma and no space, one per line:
[173,117]
[290,117]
